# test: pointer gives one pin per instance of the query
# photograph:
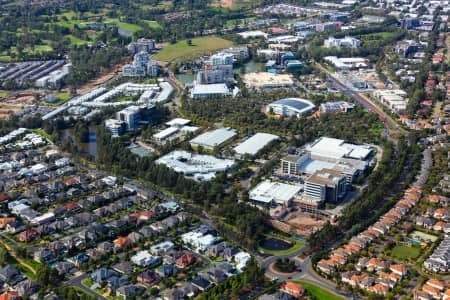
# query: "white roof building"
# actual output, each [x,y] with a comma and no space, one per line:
[165,134]
[194,164]
[268,192]
[242,258]
[255,143]
[291,107]
[347,63]
[214,138]
[178,122]
[210,90]
[144,259]
[253,34]
[347,42]
[336,149]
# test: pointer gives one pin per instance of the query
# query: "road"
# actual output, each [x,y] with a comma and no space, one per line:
[305,271]
[76,282]
[391,125]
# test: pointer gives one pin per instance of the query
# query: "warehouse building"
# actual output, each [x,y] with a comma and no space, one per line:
[215,138]
[254,144]
[210,90]
[291,107]
[267,80]
[271,193]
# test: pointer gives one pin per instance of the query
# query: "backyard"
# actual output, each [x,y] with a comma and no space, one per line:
[198,47]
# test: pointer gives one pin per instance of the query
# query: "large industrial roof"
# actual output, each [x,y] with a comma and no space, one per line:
[337,148]
[254,144]
[214,138]
[268,191]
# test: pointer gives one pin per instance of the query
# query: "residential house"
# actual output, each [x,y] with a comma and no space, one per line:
[121,242]
[9,273]
[129,291]
[215,275]
[65,268]
[10,296]
[379,289]
[45,255]
[28,235]
[185,260]
[125,267]
[293,289]
[399,269]
[201,283]
[166,270]
[102,274]
[148,278]
[27,287]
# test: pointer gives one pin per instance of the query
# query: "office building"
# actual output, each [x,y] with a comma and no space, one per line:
[395,100]
[142,66]
[335,107]
[214,74]
[116,127]
[325,185]
[347,42]
[145,45]
[346,63]
[133,115]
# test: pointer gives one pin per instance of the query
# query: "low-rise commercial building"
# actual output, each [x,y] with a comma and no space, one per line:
[254,144]
[214,138]
[291,107]
[347,42]
[325,185]
[267,80]
[395,100]
[268,193]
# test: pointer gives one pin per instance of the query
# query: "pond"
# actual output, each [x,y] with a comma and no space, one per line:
[86,148]
[273,244]
[250,67]
[186,79]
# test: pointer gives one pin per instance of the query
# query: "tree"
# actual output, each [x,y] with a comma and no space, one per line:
[4,256]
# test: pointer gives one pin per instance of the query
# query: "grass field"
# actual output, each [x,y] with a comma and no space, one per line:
[199,46]
[297,245]
[152,24]
[318,292]
[378,34]
[405,252]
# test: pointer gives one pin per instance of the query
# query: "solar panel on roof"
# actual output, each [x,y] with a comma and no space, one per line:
[293,103]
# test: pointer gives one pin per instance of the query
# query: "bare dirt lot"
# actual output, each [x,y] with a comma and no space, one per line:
[304,223]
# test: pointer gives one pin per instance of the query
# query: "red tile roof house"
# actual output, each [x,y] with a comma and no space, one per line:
[326,266]
[73,207]
[293,289]
[437,284]
[185,260]
[379,289]
[122,241]
[434,292]
[399,269]
[28,235]
[3,198]
[71,182]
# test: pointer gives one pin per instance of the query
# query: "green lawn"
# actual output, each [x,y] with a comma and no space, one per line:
[3,95]
[63,96]
[405,252]
[76,41]
[319,292]
[152,24]
[199,46]
[297,245]
[42,133]
[129,27]
[379,34]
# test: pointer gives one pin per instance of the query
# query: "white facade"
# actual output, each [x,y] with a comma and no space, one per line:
[347,42]
[268,192]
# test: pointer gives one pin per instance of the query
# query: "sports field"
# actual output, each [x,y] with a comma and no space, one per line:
[318,292]
[199,46]
[405,252]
